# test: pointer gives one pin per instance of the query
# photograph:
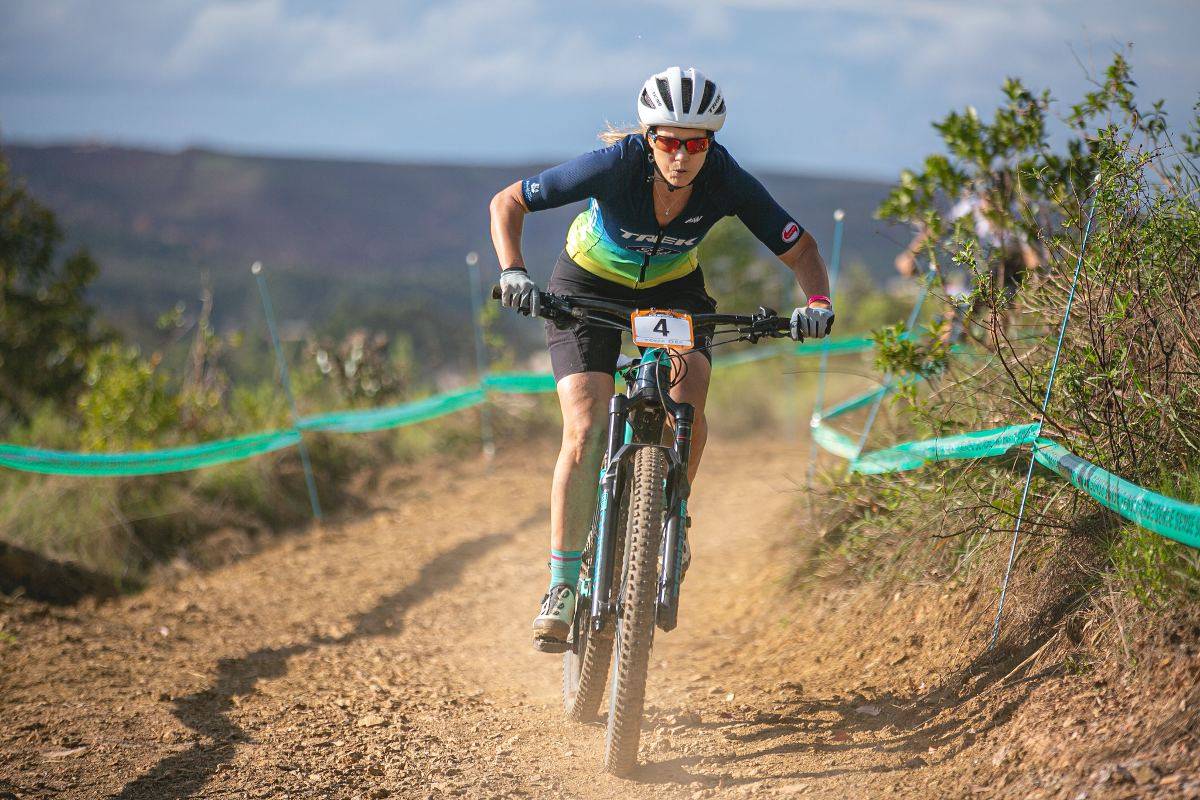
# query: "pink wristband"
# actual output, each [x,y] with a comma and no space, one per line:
[819,298]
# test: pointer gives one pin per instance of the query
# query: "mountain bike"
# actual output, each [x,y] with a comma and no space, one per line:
[636,550]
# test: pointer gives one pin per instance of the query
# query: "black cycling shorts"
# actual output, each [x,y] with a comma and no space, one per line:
[588,348]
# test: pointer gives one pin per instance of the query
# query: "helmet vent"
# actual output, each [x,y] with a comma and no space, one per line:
[664,91]
[710,89]
[646,99]
[686,87]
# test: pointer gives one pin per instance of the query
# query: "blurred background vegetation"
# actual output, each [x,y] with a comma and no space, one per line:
[84,371]
[80,370]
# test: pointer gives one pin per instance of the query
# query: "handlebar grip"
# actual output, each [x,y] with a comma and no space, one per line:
[495,291]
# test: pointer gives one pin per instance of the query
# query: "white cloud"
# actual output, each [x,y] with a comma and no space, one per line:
[858,79]
[456,44]
[951,42]
[452,44]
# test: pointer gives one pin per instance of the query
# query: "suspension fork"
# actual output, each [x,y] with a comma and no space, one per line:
[678,490]
[602,608]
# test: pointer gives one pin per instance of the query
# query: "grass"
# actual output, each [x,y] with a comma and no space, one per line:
[122,528]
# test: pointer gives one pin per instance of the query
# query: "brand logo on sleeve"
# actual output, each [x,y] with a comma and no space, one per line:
[791,232]
[535,187]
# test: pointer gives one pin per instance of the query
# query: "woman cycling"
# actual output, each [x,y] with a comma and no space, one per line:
[653,195]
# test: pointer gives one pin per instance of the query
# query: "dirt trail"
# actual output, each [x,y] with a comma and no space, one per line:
[389,656]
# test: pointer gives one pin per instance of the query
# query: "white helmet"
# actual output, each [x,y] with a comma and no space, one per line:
[683,99]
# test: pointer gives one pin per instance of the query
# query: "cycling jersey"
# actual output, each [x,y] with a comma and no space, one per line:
[618,238]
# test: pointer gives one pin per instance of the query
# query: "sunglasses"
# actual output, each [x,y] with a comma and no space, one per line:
[669,144]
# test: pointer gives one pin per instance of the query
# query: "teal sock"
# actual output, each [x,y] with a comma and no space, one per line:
[564,567]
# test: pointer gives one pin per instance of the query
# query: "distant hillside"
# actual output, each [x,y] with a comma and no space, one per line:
[339,237]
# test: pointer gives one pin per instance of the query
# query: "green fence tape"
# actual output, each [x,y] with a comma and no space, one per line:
[834,346]
[1163,515]
[834,441]
[154,462]
[977,444]
[747,356]
[854,403]
[377,419]
[519,382]
[56,462]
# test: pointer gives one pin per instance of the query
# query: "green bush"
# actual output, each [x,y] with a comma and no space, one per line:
[127,404]
[1127,391]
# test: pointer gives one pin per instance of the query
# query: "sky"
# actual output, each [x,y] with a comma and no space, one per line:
[813,86]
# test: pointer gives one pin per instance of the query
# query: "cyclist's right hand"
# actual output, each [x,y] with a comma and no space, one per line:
[519,292]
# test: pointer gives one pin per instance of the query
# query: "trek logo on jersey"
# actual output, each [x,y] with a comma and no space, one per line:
[791,232]
[693,219]
[652,237]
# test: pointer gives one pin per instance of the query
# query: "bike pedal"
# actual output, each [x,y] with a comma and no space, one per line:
[550,645]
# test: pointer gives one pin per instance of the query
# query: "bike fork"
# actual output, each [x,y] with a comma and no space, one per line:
[677,490]
[602,608]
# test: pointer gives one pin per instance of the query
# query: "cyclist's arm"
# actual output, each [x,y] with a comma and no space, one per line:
[590,175]
[804,260]
[775,228]
[508,219]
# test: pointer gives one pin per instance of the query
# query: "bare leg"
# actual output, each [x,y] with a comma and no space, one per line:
[584,401]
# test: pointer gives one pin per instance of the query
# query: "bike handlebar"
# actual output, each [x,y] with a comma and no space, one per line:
[764,323]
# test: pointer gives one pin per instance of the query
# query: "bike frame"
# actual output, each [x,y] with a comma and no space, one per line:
[635,421]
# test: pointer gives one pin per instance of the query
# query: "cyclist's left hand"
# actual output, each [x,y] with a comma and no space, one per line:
[811,322]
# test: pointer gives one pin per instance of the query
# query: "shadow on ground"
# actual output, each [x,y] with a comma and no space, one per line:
[205,712]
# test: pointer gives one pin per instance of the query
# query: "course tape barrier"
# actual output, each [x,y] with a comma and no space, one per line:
[519,382]
[854,403]
[224,451]
[1163,515]
[835,347]
[152,462]
[835,442]
[378,419]
[976,444]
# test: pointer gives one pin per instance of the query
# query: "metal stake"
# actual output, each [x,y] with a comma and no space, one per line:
[1062,332]
[889,378]
[285,379]
[485,414]
[835,264]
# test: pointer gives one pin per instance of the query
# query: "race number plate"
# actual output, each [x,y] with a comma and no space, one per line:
[653,328]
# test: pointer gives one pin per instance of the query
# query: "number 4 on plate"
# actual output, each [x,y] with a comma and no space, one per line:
[653,328]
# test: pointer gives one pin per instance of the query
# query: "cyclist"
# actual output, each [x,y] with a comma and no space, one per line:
[1005,253]
[653,194]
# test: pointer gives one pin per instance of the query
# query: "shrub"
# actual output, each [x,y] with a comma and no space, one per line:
[126,404]
[1127,391]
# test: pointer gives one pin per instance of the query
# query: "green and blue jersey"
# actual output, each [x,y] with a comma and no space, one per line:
[618,238]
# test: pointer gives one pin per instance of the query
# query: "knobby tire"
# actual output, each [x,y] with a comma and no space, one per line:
[585,672]
[635,627]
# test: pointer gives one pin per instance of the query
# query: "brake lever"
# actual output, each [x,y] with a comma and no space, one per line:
[553,309]
[762,324]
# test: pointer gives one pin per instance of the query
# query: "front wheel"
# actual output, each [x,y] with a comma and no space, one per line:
[585,668]
[635,625]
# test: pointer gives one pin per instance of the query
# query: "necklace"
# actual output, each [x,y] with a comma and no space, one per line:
[665,214]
